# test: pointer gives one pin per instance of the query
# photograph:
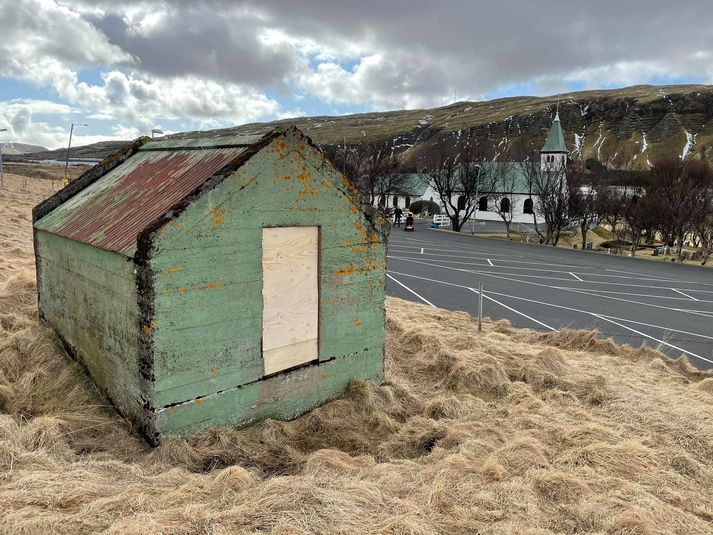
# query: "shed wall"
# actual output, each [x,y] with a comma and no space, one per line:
[207,273]
[89,296]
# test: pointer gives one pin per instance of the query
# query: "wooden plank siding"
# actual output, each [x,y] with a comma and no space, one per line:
[89,296]
[174,329]
[208,273]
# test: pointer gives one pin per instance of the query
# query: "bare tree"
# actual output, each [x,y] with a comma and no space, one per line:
[372,168]
[552,203]
[530,167]
[457,178]
[505,184]
[586,202]
[703,227]
[676,192]
[638,212]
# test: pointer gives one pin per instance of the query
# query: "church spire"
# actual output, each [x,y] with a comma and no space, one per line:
[555,137]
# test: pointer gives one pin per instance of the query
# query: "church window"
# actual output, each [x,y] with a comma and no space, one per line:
[527,207]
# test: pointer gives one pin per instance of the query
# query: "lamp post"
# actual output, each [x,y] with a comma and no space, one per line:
[69,145]
[156,131]
[2,177]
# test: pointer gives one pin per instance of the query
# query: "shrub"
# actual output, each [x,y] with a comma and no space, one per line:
[425,207]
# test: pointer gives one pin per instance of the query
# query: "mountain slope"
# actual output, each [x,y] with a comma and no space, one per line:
[94,151]
[623,127]
[21,148]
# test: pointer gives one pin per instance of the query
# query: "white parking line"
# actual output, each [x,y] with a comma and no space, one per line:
[652,338]
[686,295]
[617,292]
[485,296]
[586,292]
[455,254]
[600,316]
[501,267]
[575,276]
[564,288]
[410,290]
[704,313]
[489,261]
[535,301]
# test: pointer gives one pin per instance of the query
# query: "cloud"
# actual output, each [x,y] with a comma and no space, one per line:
[221,62]
[42,39]
[18,117]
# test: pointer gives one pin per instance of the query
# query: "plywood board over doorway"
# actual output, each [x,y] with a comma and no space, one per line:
[290,292]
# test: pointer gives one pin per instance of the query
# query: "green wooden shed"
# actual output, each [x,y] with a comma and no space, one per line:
[214,280]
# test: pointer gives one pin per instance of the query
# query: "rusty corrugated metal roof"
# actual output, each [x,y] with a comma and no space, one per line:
[111,212]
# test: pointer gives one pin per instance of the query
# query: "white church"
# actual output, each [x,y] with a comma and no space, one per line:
[520,201]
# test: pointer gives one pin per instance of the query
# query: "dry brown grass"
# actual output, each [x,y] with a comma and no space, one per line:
[504,431]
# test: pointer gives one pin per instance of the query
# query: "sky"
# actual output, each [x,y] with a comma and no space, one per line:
[123,67]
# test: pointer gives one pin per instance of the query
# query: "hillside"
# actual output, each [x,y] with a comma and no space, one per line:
[95,151]
[504,431]
[21,148]
[624,127]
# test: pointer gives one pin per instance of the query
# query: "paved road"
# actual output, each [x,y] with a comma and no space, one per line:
[634,301]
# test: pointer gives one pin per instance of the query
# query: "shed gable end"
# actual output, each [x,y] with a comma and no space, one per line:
[208,276]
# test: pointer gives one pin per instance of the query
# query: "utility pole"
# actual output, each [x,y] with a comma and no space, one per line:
[2,177]
[69,145]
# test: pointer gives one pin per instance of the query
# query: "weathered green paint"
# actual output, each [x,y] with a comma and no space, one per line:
[208,273]
[280,397]
[186,353]
[201,142]
[89,296]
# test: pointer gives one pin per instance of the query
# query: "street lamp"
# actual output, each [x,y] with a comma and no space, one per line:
[69,145]
[156,131]
[2,177]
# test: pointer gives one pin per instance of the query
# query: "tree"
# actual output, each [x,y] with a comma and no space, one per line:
[529,168]
[585,197]
[425,207]
[637,211]
[552,203]
[505,184]
[676,192]
[372,168]
[457,180]
[703,227]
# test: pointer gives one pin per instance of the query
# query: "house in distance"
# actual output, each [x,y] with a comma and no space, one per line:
[207,281]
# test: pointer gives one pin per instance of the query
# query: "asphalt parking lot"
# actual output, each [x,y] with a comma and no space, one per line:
[663,305]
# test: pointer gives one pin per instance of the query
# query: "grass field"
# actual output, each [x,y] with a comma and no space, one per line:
[500,431]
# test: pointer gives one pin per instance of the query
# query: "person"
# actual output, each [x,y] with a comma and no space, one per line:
[397,217]
[409,222]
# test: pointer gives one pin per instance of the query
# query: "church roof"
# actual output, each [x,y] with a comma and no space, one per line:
[412,184]
[555,137]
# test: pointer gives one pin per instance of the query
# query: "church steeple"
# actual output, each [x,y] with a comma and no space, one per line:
[554,152]
[555,137]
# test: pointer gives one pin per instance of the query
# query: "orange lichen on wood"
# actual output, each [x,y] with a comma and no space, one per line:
[349,270]
[216,217]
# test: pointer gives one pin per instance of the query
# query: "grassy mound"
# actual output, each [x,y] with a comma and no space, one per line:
[503,431]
